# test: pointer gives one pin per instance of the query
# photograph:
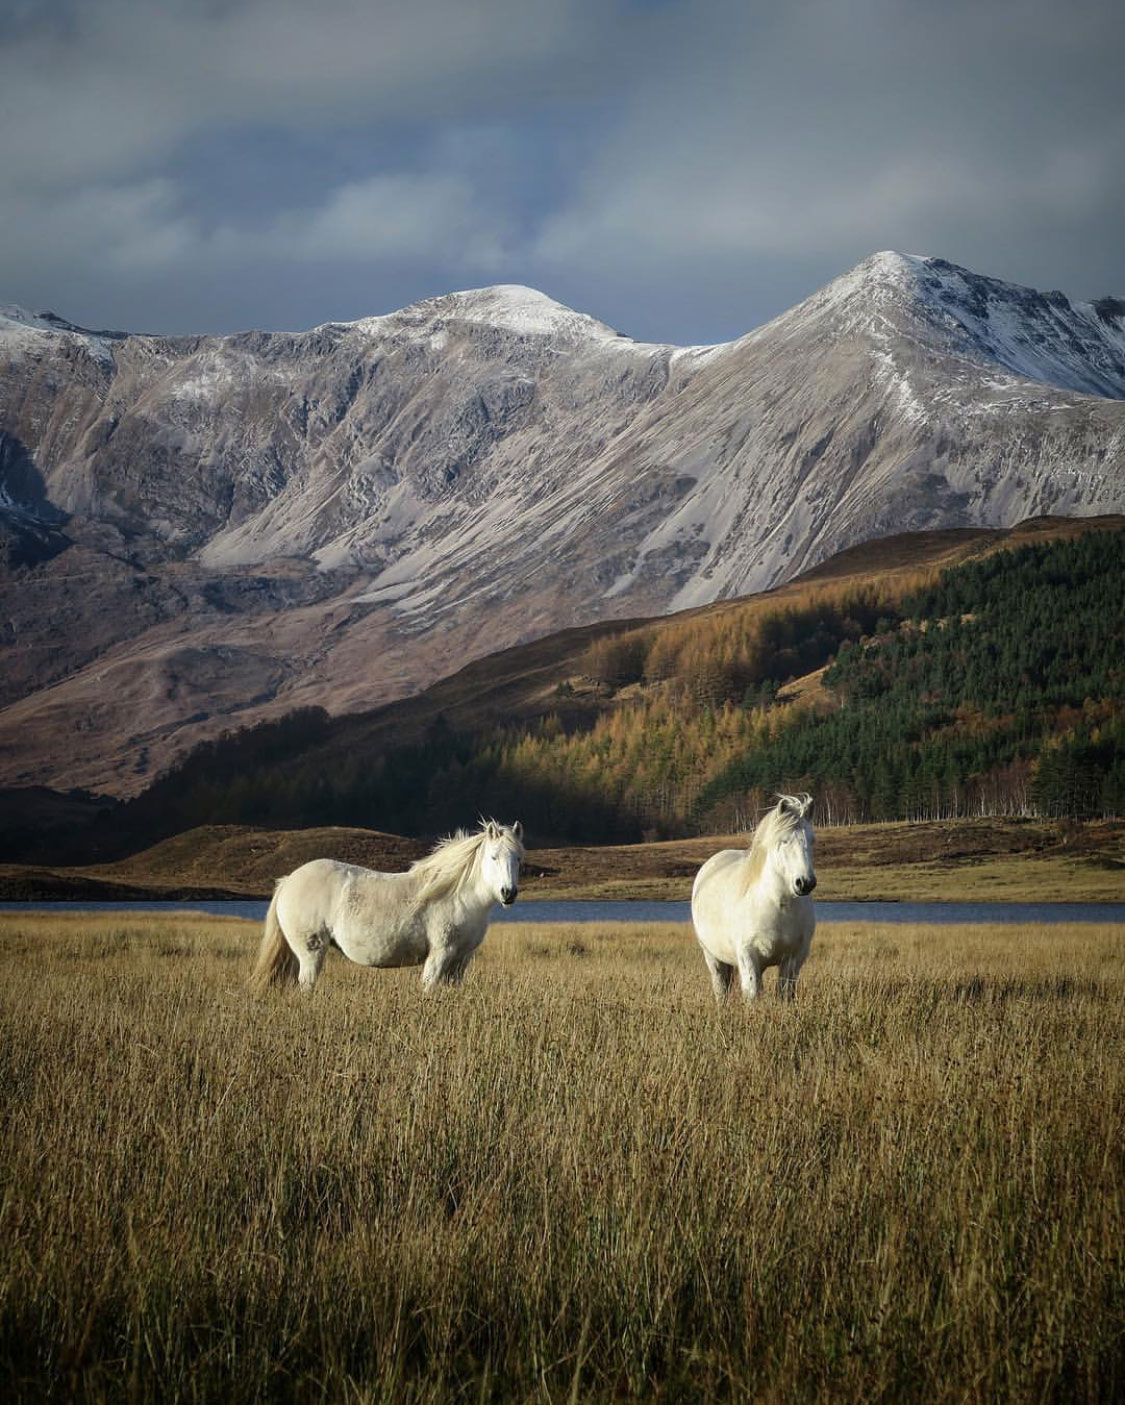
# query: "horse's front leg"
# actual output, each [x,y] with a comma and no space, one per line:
[444,968]
[750,973]
[787,979]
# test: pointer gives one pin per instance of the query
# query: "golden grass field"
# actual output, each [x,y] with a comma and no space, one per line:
[572,1179]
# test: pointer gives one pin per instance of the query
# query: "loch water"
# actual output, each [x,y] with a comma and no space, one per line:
[645,911]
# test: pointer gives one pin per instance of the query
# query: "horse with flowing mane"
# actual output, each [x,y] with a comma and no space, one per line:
[751,908]
[434,914]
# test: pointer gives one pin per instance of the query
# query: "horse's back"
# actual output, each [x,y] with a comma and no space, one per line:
[309,896]
[322,874]
[712,869]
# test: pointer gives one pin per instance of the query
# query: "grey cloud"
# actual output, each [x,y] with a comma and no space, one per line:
[123,80]
[733,155]
[413,216]
[845,128]
[131,226]
[97,99]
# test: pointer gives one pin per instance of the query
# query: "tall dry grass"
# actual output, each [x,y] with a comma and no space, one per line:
[569,1179]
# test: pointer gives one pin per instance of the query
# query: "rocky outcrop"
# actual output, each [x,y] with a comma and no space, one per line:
[203,531]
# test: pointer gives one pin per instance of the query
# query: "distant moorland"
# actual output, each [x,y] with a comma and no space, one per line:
[981,860]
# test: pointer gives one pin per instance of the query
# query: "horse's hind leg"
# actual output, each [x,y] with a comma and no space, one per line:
[311,951]
[722,975]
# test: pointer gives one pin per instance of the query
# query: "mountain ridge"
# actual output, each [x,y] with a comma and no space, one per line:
[201,531]
[529,311]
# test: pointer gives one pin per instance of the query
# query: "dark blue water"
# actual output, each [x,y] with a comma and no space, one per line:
[648,911]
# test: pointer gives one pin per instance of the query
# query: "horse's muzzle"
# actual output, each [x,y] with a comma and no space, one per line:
[805,886]
[508,897]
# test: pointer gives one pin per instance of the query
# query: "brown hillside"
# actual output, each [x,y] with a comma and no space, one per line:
[211,862]
[520,684]
[243,858]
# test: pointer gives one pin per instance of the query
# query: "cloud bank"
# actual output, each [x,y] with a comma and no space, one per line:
[681,168]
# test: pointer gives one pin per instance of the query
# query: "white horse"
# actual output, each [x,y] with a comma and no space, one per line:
[434,914]
[751,908]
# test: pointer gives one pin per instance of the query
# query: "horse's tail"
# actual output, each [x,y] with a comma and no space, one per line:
[277,964]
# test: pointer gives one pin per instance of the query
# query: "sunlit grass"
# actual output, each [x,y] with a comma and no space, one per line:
[570,1178]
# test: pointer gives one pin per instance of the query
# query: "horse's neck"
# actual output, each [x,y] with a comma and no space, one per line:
[465,902]
[470,898]
[767,888]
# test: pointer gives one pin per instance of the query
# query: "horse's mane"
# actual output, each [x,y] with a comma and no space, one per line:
[451,862]
[778,823]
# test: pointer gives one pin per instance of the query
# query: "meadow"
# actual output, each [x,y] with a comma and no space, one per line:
[571,1179]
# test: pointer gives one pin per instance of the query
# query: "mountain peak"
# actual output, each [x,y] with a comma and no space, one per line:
[892,262]
[1032,335]
[517,308]
[884,266]
[510,307]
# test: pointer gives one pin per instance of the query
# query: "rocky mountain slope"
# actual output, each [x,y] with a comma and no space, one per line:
[203,531]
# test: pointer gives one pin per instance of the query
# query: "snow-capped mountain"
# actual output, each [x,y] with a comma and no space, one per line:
[227,527]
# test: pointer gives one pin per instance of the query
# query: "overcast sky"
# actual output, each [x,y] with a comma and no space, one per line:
[682,169]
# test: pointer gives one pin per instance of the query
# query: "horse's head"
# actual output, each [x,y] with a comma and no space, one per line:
[501,854]
[793,852]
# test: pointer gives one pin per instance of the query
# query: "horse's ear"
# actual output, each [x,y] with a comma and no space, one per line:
[492,830]
[798,806]
[517,830]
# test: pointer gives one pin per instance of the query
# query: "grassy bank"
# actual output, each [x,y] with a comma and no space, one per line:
[570,1179]
[993,858]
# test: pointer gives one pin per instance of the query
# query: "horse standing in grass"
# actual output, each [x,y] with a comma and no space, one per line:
[435,914]
[751,908]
